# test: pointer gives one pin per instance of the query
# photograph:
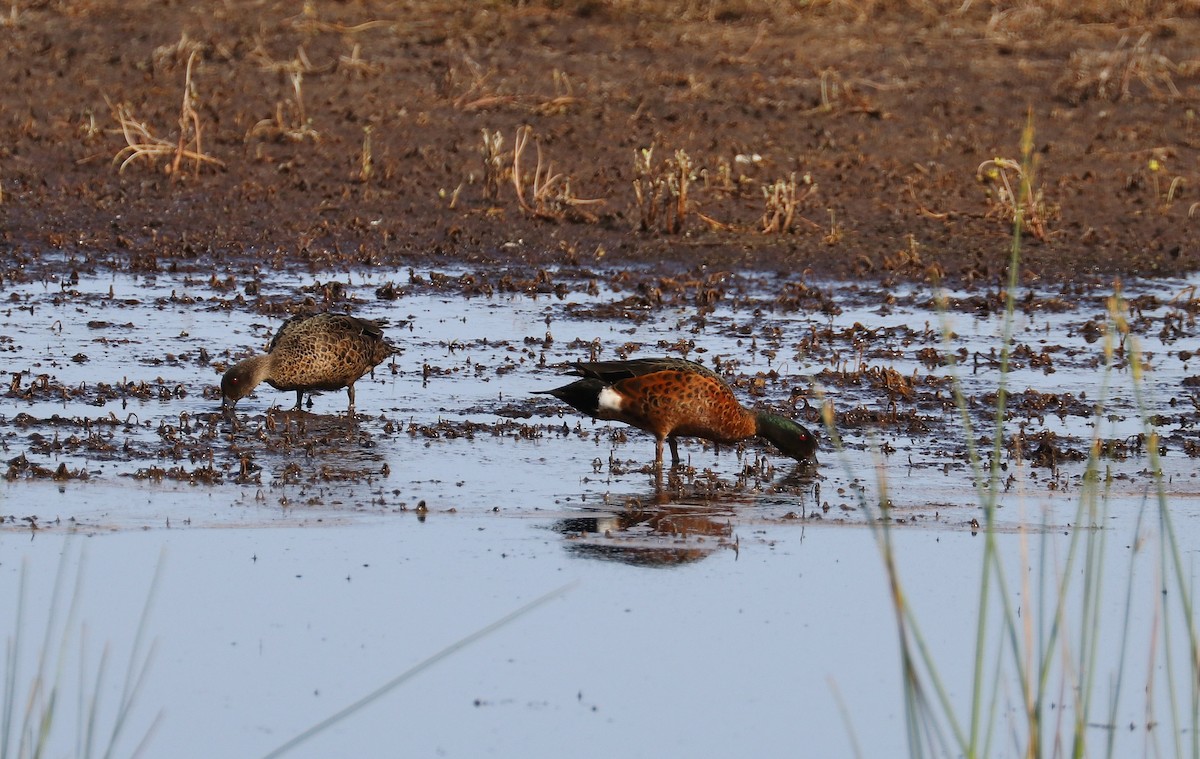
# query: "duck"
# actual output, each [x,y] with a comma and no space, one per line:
[311,353]
[672,398]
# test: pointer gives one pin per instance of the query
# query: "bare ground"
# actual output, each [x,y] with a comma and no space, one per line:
[831,140]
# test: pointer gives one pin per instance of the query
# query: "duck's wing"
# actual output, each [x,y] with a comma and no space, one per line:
[615,371]
[372,328]
[329,324]
[292,325]
[366,335]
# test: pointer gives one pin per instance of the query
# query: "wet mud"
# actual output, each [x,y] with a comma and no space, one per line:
[113,378]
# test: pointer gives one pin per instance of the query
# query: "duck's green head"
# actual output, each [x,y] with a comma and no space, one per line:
[792,439]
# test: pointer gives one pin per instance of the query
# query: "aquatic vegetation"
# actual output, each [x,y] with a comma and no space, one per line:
[1046,671]
[39,708]
[661,191]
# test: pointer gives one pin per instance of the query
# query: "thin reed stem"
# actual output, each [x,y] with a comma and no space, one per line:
[415,670]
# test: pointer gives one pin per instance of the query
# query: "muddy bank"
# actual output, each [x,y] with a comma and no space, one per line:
[369,133]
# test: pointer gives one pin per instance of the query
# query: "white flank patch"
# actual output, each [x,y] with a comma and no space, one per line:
[608,400]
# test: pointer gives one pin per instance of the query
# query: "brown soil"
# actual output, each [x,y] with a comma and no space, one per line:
[883,120]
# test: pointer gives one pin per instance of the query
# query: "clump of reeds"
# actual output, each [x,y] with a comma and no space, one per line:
[839,95]
[1039,680]
[366,158]
[31,713]
[661,191]
[495,167]
[1111,74]
[1155,167]
[782,200]
[290,121]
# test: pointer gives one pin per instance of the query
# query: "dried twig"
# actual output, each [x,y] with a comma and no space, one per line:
[140,142]
[357,64]
[1001,174]
[550,195]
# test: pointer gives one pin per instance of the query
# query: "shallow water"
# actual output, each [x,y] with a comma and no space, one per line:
[309,558]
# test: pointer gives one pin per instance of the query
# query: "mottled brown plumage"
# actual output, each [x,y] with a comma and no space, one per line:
[311,353]
[672,397]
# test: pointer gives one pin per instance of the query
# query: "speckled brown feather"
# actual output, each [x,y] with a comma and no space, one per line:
[673,397]
[307,354]
[673,402]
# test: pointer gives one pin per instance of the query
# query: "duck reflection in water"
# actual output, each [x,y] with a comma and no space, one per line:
[647,537]
[680,526]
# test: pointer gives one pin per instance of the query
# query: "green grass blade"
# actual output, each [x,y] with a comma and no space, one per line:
[412,672]
[138,666]
[12,650]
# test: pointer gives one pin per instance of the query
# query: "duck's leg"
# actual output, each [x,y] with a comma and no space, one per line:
[299,399]
[658,451]
[674,451]
[350,392]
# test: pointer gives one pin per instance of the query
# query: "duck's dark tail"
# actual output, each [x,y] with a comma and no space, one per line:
[583,395]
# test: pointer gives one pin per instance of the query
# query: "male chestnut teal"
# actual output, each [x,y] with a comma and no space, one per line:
[311,353]
[673,397]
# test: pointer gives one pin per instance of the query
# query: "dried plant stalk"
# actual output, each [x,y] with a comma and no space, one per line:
[549,195]
[662,192]
[140,141]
